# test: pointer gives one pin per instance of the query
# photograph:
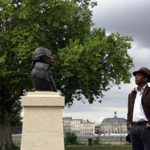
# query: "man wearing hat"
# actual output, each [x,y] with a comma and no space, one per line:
[138,117]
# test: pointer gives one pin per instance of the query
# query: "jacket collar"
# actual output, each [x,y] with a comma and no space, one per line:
[142,90]
[145,91]
[134,92]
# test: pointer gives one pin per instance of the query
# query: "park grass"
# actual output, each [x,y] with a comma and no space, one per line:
[99,147]
[94,147]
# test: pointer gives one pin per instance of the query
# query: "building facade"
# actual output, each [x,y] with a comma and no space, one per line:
[78,126]
[67,124]
[112,126]
[87,128]
[97,129]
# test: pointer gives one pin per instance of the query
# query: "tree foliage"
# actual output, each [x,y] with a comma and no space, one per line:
[70,138]
[89,68]
[97,140]
[87,60]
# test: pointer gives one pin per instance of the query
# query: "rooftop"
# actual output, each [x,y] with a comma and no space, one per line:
[114,119]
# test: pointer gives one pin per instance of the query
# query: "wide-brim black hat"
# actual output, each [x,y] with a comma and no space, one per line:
[145,71]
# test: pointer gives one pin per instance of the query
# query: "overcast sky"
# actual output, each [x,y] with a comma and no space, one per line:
[128,17]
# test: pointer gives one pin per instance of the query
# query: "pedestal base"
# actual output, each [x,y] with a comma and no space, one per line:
[42,122]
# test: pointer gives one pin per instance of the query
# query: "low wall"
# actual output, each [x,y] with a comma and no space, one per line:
[105,139]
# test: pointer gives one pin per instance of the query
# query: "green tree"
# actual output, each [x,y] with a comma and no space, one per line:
[87,60]
[91,67]
[97,140]
[70,138]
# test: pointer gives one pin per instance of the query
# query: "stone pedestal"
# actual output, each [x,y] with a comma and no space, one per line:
[42,122]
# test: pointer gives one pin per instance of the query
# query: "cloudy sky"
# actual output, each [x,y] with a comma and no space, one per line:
[128,17]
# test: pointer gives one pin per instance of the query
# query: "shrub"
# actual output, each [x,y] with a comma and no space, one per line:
[70,138]
[97,140]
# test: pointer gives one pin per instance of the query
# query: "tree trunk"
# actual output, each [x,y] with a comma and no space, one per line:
[6,142]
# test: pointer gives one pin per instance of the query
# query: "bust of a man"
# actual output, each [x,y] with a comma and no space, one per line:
[42,61]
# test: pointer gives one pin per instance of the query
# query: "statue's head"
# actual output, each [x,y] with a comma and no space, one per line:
[44,55]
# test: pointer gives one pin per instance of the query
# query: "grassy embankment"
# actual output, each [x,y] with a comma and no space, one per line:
[94,147]
[99,147]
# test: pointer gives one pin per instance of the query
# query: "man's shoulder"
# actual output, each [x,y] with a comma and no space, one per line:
[132,93]
[147,89]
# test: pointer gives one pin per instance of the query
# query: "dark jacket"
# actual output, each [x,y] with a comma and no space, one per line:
[145,105]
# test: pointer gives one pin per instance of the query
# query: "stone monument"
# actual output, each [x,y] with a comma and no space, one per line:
[42,122]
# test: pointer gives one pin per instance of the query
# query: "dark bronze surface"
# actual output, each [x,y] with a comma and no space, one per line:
[42,61]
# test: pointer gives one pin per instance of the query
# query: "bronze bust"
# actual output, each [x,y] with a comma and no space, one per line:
[42,61]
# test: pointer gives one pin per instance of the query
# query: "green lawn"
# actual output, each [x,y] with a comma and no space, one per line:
[99,147]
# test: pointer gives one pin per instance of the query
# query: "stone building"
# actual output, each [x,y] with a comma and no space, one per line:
[87,127]
[67,124]
[76,126]
[79,126]
[115,125]
[97,129]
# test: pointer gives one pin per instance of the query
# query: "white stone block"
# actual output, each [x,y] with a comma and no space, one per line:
[42,122]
